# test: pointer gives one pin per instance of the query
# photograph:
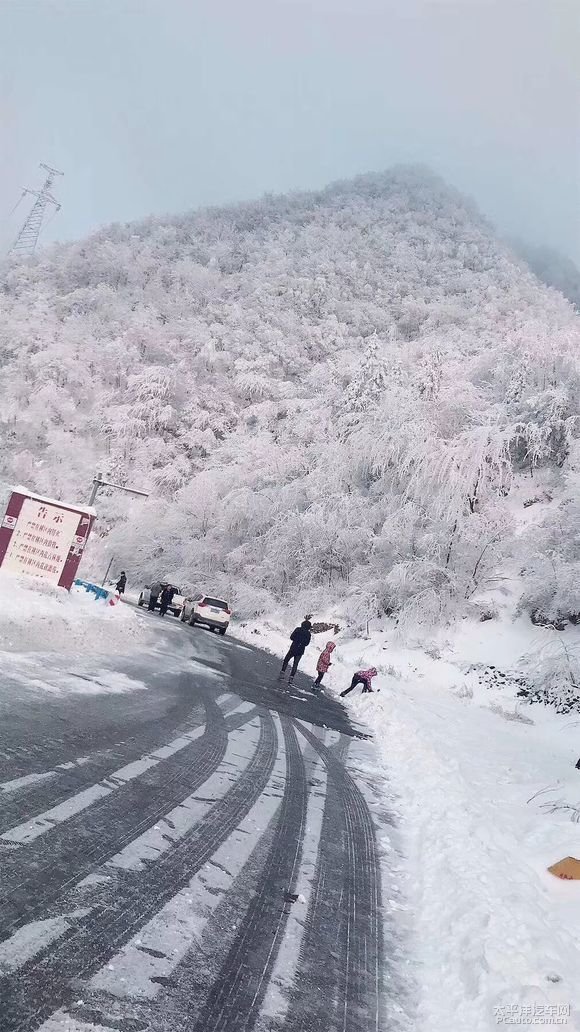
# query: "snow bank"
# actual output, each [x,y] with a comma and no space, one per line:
[488,798]
[36,617]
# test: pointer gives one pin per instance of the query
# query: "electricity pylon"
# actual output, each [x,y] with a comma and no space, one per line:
[27,239]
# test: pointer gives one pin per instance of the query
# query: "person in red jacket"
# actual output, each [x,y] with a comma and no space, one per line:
[323,663]
[363,677]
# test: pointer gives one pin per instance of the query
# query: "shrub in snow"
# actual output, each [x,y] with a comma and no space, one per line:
[482,611]
[553,673]
[360,608]
[463,691]
[559,805]
[250,602]
[551,571]
[515,714]
[392,671]
[491,677]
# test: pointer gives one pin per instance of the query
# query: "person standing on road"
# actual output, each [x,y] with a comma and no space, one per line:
[166,599]
[299,641]
[363,677]
[121,583]
[154,593]
[323,664]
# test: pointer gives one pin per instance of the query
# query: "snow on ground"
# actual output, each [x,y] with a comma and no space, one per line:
[44,628]
[488,797]
[37,617]
[48,672]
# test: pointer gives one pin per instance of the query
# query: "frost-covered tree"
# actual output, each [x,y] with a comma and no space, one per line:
[329,396]
[551,555]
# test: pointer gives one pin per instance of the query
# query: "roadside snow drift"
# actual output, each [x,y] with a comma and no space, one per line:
[36,617]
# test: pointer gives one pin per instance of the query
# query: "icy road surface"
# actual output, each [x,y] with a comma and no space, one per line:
[200,853]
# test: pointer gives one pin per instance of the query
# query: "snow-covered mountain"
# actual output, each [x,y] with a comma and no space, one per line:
[341,394]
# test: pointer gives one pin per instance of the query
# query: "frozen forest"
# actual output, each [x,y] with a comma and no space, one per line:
[342,396]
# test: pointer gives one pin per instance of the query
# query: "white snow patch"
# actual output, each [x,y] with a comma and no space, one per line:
[29,940]
[28,779]
[35,616]
[61,1021]
[22,834]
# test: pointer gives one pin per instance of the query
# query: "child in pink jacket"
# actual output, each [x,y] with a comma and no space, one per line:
[363,677]
[323,663]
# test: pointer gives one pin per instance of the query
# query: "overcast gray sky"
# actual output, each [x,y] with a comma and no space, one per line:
[153,106]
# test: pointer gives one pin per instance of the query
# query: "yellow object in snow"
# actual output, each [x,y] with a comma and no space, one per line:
[568,869]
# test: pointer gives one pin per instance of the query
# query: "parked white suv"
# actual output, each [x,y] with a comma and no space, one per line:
[204,609]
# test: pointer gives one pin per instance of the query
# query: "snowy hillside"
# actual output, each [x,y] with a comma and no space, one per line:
[343,395]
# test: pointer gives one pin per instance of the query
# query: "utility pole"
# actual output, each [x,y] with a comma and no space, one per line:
[27,239]
[107,573]
[98,483]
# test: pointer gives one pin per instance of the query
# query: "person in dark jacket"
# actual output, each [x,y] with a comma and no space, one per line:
[166,599]
[299,641]
[121,583]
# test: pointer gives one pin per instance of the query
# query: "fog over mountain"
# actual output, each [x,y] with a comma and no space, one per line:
[153,107]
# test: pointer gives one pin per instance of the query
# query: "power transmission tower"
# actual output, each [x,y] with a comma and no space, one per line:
[27,239]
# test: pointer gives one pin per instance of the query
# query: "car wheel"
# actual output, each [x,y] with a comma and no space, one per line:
[140,602]
[223,630]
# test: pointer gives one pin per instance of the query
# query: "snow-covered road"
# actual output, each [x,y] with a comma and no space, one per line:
[193,852]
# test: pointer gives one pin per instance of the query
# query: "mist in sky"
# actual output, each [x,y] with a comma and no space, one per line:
[155,106]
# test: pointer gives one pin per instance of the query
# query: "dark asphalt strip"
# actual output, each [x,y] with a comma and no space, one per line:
[51,981]
[236,996]
[314,1000]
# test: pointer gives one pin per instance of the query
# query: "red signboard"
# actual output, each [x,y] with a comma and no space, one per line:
[44,538]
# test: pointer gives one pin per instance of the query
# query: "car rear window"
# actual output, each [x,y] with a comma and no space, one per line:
[218,603]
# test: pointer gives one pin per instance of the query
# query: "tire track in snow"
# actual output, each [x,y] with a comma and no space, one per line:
[71,775]
[344,963]
[178,822]
[53,866]
[156,840]
[52,981]
[236,720]
[176,930]
[279,989]
[236,996]
[24,798]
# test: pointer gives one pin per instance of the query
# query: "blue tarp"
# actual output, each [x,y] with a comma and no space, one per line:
[95,588]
